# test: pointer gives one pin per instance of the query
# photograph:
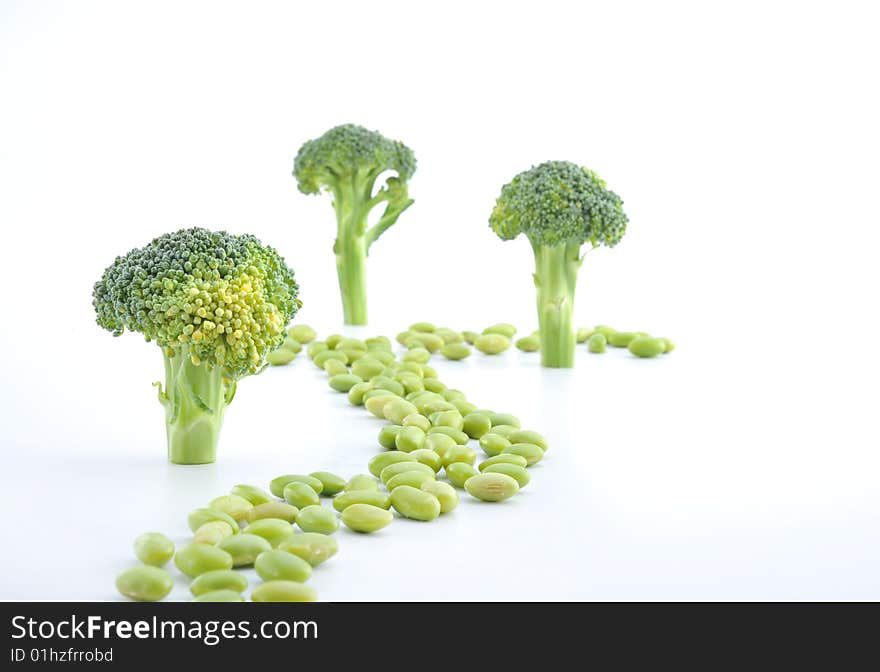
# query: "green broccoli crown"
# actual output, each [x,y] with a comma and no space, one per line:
[350,151]
[557,203]
[226,298]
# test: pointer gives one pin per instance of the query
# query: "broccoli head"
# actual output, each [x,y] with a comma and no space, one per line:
[346,162]
[216,304]
[559,206]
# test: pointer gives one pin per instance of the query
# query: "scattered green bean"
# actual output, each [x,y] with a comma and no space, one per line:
[597,342]
[273,530]
[362,482]
[281,510]
[445,494]
[144,583]
[283,591]
[459,472]
[492,344]
[415,504]
[218,579]
[529,344]
[244,548]
[530,451]
[312,547]
[154,548]
[647,346]
[516,472]
[300,495]
[317,519]
[197,559]
[251,493]
[332,483]
[491,487]
[372,497]
[504,458]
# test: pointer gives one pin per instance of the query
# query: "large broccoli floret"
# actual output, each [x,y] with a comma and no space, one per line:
[347,161]
[216,304]
[559,206]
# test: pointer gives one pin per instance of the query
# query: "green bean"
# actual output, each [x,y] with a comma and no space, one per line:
[386,357]
[449,335]
[357,392]
[278,565]
[197,559]
[582,334]
[411,382]
[459,454]
[273,530]
[605,330]
[218,579]
[281,357]
[302,332]
[154,548]
[428,406]
[597,342]
[428,371]
[409,439]
[382,460]
[430,342]
[417,420]
[362,482]
[455,351]
[145,583]
[413,478]
[415,504]
[292,345]
[281,510]
[517,473]
[393,470]
[647,346]
[493,444]
[314,348]
[312,547]
[333,340]
[439,443]
[420,355]
[219,596]
[621,339]
[528,436]
[199,517]
[366,518]
[448,419]
[428,457]
[455,434]
[378,343]
[317,519]
[414,368]
[668,345]
[504,419]
[470,336]
[530,451]
[445,494]
[476,425]
[424,327]
[235,506]
[459,472]
[502,328]
[343,382]
[491,487]
[403,337]
[504,458]
[372,497]
[351,344]
[300,495]
[277,485]
[504,430]
[332,483]
[492,344]
[388,435]
[323,357]
[212,533]
[244,548]
[529,344]
[284,591]
[333,367]
[433,385]
[463,406]
[376,404]
[251,493]
[397,409]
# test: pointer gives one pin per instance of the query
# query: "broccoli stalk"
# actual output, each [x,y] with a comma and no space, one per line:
[559,207]
[216,304]
[347,161]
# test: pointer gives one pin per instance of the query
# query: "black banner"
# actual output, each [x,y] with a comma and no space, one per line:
[39,635]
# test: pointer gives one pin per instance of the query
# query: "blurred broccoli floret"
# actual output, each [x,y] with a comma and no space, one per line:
[347,161]
[216,304]
[559,206]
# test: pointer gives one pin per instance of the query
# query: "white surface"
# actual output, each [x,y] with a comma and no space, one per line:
[744,144]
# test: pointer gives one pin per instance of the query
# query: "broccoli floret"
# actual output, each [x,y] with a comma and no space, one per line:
[346,161]
[559,206]
[216,304]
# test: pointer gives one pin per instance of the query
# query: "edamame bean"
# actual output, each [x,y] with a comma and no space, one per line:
[244,548]
[343,382]
[333,367]
[154,548]
[668,345]
[312,547]
[302,332]
[315,348]
[413,478]
[277,565]
[235,506]
[397,409]
[417,420]
[491,487]
[504,430]
[492,444]
[432,384]
[218,579]
[476,425]
[332,483]
[411,383]
[352,344]
[517,473]
[277,485]
[382,460]
[463,406]
[145,583]
[459,454]
[251,493]
[389,385]
[428,457]
[409,439]
[372,497]
[530,451]
[388,435]
[504,458]
[323,357]
[366,518]
[504,419]
[333,340]
[415,504]
[449,419]
[199,517]
[419,355]
[220,596]
[375,404]
[470,336]
[430,342]
[357,392]
[281,357]
[621,339]
[605,330]
[597,342]
[317,519]
[449,335]
[492,344]
[528,436]
[424,327]
[284,591]
[455,351]
[292,344]
[281,510]
[212,533]
[367,367]
[445,494]
[197,559]
[502,328]
[582,334]
[646,346]
[529,344]
[378,343]
[455,434]
[439,443]
[459,472]
[362,482]
[273,530]
[300,495]
[393,470]
[429,406]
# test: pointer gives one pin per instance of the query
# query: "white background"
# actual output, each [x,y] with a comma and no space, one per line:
[743,138]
